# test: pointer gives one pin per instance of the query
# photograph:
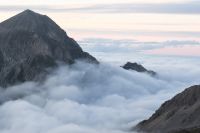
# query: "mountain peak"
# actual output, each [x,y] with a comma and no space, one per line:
[29,20]
[138,68]
[28,11]
[30,43]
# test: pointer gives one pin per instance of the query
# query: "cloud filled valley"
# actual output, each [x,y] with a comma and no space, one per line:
[51,84]
[86,98]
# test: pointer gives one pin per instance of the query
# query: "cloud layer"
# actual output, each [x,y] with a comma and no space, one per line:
[87,98]
[190,7]
[124,46]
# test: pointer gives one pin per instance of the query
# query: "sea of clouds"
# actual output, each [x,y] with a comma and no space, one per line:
[88,98]
[104,98]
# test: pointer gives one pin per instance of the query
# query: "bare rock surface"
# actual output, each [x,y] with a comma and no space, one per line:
[181,114]
[138,68]
[30,43]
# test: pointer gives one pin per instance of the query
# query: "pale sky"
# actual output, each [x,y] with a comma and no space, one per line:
[53,2]
[142,20]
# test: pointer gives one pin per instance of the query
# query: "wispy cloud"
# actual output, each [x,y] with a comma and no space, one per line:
[138,32]
[192,7]
[120,46]
[171,8]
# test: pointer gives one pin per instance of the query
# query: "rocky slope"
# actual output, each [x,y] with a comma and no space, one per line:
[181,114]
[138,68]
[30,43]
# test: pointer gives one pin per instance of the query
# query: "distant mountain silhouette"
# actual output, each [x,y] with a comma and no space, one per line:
[181,114]
[138,68]
[30,43]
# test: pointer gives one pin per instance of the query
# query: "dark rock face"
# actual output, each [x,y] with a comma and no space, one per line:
[181,114]
[30,43]
[138,68]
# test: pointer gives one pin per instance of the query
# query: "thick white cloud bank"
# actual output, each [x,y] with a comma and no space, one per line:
[85,98]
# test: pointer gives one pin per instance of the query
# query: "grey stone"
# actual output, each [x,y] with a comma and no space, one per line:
[30,43]
[181,114]
[138,68]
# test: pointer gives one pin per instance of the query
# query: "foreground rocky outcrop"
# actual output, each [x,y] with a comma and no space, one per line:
[30,43]
[181,114]
[138,68]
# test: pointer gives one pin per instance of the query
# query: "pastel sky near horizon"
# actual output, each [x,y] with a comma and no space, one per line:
[142,20]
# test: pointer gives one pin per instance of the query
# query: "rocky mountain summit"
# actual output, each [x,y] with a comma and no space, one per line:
[138,68]
[181,114]
[30,43]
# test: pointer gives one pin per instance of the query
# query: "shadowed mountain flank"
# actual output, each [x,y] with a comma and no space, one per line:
[30,43]
[181,114]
